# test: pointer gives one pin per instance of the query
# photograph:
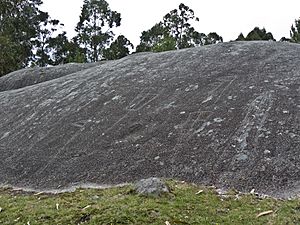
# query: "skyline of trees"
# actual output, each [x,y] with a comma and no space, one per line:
[30,37]
[95,28]
[257,34]
[175,32]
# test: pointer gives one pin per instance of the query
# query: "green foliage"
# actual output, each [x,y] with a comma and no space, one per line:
[241,37]
[118,49]
[10,55]
[185,205]
[95,28]
[29,37]
[212,38]
[257,34]
[61,49]
[167,43]
[284,39]
[65,51]
[25,32]
[43,43]
[152,37]
[19,24]
[178,24]
[295,32]
[175,32]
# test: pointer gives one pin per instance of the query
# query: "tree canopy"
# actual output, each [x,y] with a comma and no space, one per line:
[175,32]
[153,37]
[29,37]
[95,28]
[22,33]
[120,48]
[177,22]
[295,32]
[257,34]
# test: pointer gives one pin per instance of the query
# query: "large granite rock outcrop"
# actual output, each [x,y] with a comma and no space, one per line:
[225,115]
[31,76]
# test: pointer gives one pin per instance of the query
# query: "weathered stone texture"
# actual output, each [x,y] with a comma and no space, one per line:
[225,114]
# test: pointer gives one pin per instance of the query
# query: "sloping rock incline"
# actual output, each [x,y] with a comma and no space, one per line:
[225,115]
[31,76]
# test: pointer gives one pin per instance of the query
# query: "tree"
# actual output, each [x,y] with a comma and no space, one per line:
[95,28]
[61,49]
[175,32]
[118,49]
[22,29]
[178,24]
[167,43]
[152,37]
[284,39]
[19,23]
[42,43]
[212,38]
[65,51]
[241,37]
[10,56]
[257,34]
[295,32]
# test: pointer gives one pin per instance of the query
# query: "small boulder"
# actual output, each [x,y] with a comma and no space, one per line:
[151,186]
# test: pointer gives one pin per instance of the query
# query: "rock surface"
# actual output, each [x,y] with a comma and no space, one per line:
[31,76]
[226,115]
[151,186]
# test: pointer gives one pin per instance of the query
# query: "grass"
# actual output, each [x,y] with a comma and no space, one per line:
[123,206]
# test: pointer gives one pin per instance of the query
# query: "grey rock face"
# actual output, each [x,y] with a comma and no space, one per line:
[151,186]
[226,115]
[31,76]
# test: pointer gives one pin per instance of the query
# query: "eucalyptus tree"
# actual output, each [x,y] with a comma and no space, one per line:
[42,44]
[178,23]
[212,38]
[65,50]
[257,34]
[295,32]
[94,29]
[24,31]
[120,48]
[19,25]
[175,31]
[241,37]
[154,37]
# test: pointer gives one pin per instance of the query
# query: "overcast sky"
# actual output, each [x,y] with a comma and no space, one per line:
[226,17]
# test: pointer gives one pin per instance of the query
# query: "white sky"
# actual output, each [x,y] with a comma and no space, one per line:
[226,17]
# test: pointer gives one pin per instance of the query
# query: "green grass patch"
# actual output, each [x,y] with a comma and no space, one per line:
[123,206]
